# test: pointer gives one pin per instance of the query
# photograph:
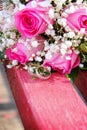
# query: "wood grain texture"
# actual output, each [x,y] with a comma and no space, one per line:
[52,104]
[81,83]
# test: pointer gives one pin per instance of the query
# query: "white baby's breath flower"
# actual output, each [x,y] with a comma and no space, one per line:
[69,51]
[63,51]
[79,1]
[14,62]
[82,31]
[51,13]
[48,55]
[59,6]
[68,43]
[43,53]
[28,46]
[77,51]
[45,3]
[21,6]
[34,44]
[68,29]
[9,66]
[62,21]
[15,1]
[72,9]
[34,4]
[71,34]
[54,48]
[25,67]
[33,55]
[52,33]
[48,31]
[31,59]
[38,58]
[68,58]
[38,53]
[50,26]
[81,65]
[63,46]
[46,48]
[10,42]
[30,69]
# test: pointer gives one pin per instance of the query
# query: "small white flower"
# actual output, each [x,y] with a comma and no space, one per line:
[52,33]
[14,62]
[79,1]
[54,48]
[44,3]
[9,66]
[69,51]
[77,51]
[31,59]
[38,58]
[63,51]
[48,31]
[34,44]
[51,13]
[20,6]
[48,55]
[38,53]
[68,58]
[81,65]
[63,46]
[71,34]
[43,53]
[25,67]
[68,29]
[46,48]
[82,30]
[68,43]
[59,6]
[15,1]
[72,9]
[50,26]
[34,4]
[33,55]
[62,21]
[30,69]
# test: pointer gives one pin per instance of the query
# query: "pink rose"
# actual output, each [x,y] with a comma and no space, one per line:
[78,19]
[22,53]
[61,64]
[33,20]
[18,52]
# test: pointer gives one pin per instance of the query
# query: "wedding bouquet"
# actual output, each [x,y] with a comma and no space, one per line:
[44,36]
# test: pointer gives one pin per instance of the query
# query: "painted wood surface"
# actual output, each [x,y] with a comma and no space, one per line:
[52,104]
[81,83]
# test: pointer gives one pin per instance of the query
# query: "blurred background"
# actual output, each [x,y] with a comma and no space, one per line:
[9,117]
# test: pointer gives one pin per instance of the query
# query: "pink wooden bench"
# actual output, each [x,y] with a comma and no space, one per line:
[53,104]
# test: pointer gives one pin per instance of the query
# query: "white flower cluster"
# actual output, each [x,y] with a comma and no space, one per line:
[8,31]
[69,39]
[59,37]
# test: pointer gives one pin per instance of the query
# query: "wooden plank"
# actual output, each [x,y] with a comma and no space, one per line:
[52,104]
[81,83]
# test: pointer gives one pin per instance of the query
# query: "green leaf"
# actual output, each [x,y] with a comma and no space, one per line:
[73,74]
[2,55]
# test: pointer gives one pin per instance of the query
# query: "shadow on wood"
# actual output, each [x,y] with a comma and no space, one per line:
[81,83]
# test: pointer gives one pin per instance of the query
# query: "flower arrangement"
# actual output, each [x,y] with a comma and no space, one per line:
[43,36]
